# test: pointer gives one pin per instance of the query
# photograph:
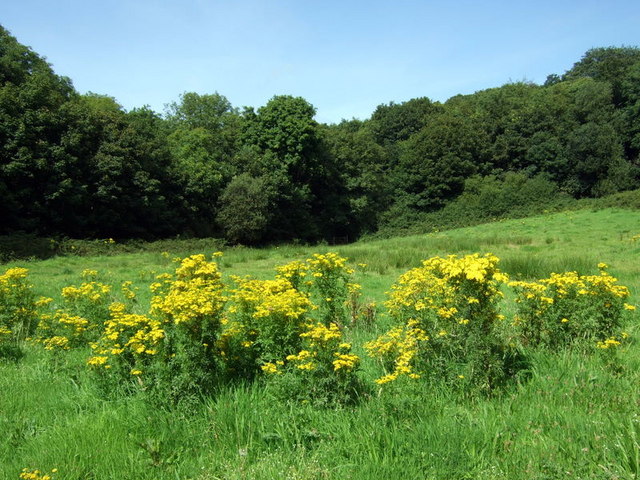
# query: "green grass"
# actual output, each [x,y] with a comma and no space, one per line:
[575,417]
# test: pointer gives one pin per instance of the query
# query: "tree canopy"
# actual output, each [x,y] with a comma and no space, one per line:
[80,165]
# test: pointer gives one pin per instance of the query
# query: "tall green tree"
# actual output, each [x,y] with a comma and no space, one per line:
[363,169]
[286,140]
[435,162]
[31,126]
[112,182]
[204,139]
[606,64]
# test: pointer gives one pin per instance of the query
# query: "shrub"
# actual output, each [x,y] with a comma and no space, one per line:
[571,309]
[291,329]
[81,317]
[265,322]
[322,372]
[330,286]
[171,352]
[446,324]
[245,209]
[18,311]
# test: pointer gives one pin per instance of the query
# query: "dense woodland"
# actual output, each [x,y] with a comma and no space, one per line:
[80,166]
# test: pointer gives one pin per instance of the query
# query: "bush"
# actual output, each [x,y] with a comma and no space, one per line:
[80,319]
[265,322]
[171,352]
[323,372]
[26,245]
[291,330]
[484,199]
[18,311]
[572,309]
[446,324]
[244,212]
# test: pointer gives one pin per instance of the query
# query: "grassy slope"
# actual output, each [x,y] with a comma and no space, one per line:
[574,418]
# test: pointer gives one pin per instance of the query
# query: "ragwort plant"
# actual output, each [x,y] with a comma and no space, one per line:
[291,330]
[18,311]
[129,346]
[569,309]
[80,318]
[264,324]
[171,351]
[447,325]
[330,286]
[323,372]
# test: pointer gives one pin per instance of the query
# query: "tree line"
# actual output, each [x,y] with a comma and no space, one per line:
[79,165]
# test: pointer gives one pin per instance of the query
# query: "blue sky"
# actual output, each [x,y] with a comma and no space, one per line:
[345,57]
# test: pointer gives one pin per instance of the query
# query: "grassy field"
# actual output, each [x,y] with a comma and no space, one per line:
[574,416]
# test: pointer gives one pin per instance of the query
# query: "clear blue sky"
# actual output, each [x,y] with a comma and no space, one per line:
[345,57]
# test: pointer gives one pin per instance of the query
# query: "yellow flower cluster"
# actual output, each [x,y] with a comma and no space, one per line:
[562,285]
[304,360]
[93,291]
[63,330]
[325,346]
[398,346]
[609,343]
[75,323]
[319,334]
[12,277]
[56,342]
[444,302]
[265,319]
[345,361]
[274,318]
[182,324]
[28,474]
[272,367]
[265,298]
[470,267]
[569,306]
[320,263]
[331,287]
[132,335]
[294,272]
[195,294]
[437,285]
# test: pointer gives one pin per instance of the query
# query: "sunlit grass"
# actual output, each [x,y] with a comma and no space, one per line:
[575,417]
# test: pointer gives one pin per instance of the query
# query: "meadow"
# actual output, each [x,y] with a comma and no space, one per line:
[571,413]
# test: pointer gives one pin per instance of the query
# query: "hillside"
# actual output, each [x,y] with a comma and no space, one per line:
[571,413]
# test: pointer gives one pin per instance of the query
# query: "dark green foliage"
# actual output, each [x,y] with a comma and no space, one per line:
[434,163]
[203,141]
[112,182]
[80,166]
[592,149]
[26,245]
[394,122]
[244,212]
[320,388]
[363,177]
[609,64]
[486,199]
[73,164]
[30,132]
[287,148]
